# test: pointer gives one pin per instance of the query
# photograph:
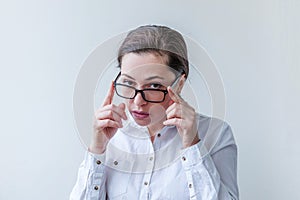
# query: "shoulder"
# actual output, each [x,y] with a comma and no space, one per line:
[215,133]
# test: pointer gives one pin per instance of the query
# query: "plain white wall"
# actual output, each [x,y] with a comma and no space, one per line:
[254,43]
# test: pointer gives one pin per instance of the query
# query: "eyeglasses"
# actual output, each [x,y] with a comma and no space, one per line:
[149,94]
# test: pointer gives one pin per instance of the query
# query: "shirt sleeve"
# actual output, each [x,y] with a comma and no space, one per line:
[90,184]
[212,175]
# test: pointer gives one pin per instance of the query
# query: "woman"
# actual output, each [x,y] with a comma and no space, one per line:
[154,145]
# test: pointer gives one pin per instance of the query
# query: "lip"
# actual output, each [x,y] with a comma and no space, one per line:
[139,114]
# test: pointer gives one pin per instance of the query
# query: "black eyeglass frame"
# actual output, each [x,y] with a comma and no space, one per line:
[142,91]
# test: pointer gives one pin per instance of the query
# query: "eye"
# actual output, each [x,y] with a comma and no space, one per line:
[155,86]
[127,82]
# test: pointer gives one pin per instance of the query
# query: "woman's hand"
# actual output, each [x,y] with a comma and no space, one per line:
[107,120]
[183,116]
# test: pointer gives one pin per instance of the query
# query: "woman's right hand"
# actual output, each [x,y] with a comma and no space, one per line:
[107,120]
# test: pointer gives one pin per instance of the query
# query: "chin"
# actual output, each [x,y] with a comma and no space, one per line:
[142,122]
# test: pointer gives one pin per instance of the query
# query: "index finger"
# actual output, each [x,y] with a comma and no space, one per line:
[109,97]
[174,96]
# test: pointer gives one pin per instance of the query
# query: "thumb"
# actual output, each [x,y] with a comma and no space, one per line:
[122,107]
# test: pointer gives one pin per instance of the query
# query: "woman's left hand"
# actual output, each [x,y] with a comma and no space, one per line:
[183,116]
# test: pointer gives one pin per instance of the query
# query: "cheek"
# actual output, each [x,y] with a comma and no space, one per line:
[157,113]
[159,109]
[168,101]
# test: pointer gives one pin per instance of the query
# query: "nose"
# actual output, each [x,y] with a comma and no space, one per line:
[138,99]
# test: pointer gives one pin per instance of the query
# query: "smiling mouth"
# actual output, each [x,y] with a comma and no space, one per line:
[139,114]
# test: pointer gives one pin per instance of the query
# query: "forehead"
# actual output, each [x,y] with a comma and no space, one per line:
[145,65]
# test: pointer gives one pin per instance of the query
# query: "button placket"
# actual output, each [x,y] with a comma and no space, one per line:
[146,181]
[150,165]
[147,176]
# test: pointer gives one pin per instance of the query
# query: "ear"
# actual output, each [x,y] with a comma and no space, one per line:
[181,83]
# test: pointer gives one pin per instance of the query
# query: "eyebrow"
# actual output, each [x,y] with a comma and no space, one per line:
[147,79]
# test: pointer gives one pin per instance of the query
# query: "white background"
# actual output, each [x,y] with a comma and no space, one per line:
[254,43]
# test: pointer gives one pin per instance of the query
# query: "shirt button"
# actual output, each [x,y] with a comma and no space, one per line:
[183,158]
[190,185]
[158,135]
[151,158]
[116,163]
[145,183]
[96,187]
[98,162]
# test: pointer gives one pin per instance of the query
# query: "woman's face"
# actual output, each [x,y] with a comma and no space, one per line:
[143,71]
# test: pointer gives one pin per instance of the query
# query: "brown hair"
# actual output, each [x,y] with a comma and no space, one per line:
[160,40]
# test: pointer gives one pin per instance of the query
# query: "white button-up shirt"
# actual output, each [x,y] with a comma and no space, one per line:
[133,167]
